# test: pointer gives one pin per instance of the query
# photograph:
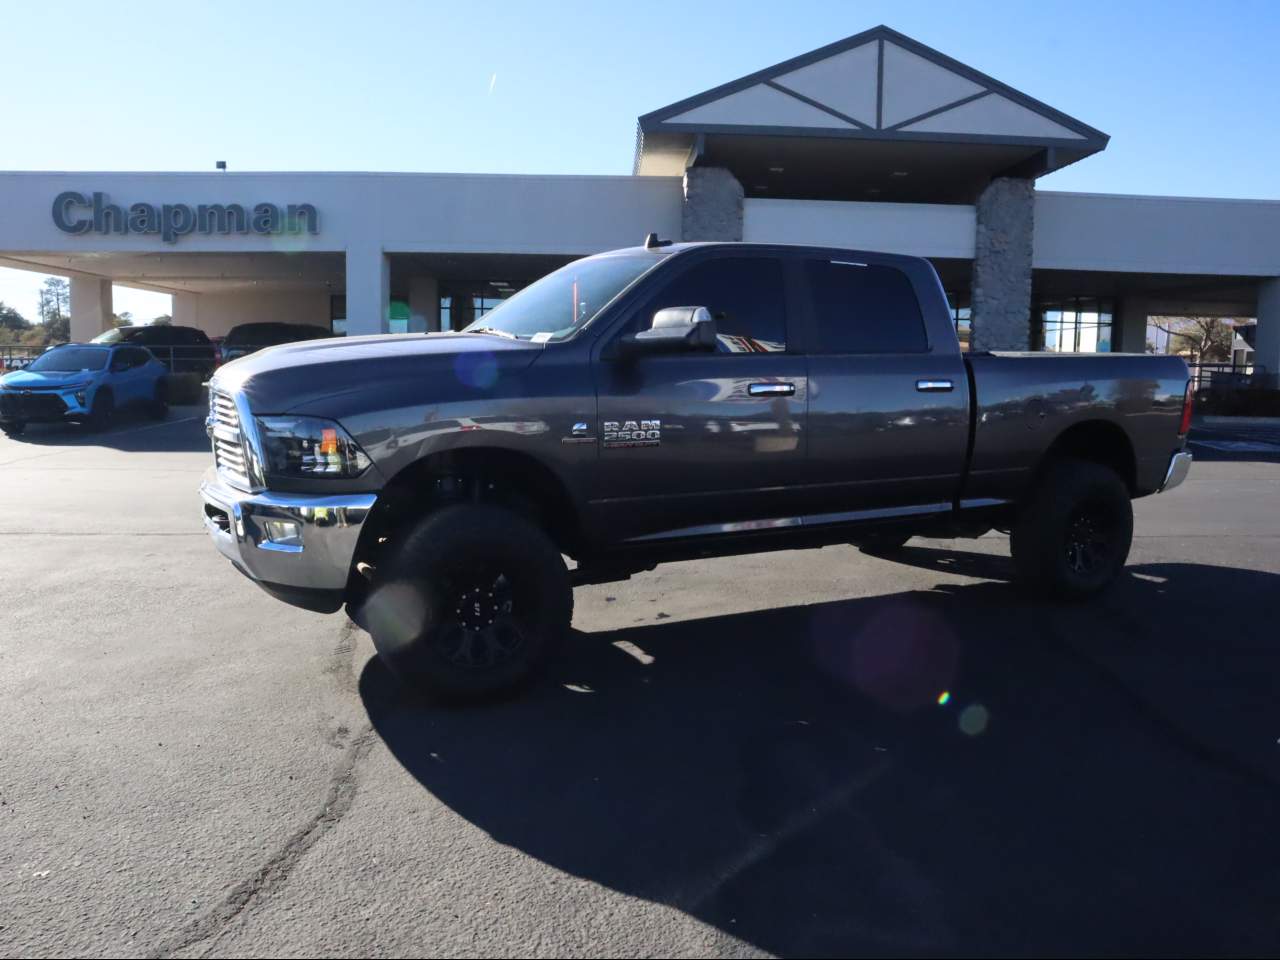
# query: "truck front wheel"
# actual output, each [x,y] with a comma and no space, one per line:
[470,603]
[1072,536]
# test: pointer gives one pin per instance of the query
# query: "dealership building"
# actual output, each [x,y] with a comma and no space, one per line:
[874,142]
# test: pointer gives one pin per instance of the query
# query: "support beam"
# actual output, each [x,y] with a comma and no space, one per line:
[424,305]
[1001,288]
[91,311]
[1266,351]
[368,291]
[1129,326]
[186,310]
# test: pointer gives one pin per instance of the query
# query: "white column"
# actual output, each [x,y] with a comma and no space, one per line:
[424,305]
[1267,344]
[1129,327]
[90,307]
[368,291]
[185,310]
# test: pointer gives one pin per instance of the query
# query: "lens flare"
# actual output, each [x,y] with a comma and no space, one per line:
[899,655]
[476,370]
[944,698]
[973,720]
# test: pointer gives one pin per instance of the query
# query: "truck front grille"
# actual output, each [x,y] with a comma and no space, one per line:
[228,440]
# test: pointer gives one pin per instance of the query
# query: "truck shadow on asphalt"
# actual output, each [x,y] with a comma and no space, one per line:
[1096,779]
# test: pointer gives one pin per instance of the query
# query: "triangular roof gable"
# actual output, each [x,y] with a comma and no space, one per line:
[878,84]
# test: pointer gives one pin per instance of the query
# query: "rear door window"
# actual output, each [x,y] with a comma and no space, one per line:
[863,308]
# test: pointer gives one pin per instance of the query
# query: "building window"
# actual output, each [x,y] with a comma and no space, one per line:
[962,317]
[478,308]
[1077,325]
[398,316]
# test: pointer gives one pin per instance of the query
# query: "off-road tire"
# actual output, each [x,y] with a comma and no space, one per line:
[470,603]
[1072,536]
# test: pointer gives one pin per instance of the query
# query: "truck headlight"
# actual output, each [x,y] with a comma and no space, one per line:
[306,447]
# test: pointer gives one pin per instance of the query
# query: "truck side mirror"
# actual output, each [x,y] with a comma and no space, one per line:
[674,330]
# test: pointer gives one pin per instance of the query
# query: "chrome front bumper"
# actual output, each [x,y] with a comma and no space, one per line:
[304,543]
[1179,467]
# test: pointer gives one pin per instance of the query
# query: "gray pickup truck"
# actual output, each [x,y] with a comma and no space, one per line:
[663,403]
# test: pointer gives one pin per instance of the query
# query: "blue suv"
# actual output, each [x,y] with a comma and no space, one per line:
[82,382]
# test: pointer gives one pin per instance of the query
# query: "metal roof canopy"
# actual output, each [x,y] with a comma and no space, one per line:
[876,116]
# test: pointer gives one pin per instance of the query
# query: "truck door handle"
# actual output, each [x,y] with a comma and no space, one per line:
[771,390]
[935,386]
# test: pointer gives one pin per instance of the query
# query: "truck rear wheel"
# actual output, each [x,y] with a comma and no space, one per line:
[1072,537]
[470,603]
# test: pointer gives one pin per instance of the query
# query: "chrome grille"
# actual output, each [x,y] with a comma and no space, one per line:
[228,441]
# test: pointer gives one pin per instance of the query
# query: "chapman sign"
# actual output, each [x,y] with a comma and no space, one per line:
[76,213]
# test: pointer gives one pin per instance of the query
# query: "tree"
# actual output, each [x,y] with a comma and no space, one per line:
[11,320]
[1205,339]
[55,309]
[55,298]
[122,319]
[163,320]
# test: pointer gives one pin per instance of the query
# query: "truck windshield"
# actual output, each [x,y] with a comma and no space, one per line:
[564,301]
[70,360]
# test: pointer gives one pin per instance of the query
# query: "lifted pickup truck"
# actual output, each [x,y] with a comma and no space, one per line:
[663,403]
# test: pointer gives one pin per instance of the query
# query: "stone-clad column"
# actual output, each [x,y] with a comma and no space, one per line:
[1002,265]
[712,205]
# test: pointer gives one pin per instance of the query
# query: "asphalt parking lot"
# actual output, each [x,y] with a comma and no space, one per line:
[733,758]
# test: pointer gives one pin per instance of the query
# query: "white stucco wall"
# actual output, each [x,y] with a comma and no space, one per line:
[1091,231]
[399,213]
[216,313]
[920,229]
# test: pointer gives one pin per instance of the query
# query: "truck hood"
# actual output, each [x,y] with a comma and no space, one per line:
[53,380]
[283,378]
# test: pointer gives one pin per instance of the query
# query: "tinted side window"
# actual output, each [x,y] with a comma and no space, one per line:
[744,294]
[126,358]
[864,309]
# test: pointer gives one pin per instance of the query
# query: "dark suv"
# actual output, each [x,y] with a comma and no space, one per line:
[181,349]
[247,338]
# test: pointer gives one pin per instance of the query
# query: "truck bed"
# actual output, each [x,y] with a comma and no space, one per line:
[1024,401]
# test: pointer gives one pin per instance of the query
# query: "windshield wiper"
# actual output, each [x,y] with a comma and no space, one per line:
[494,330]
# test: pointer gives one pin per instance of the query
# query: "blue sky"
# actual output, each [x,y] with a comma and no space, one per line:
[1186,90]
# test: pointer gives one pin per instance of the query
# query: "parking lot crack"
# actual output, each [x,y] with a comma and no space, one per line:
[339,798]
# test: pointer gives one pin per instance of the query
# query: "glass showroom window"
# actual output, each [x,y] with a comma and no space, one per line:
[1079,325]
[962,317]
[479,307]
